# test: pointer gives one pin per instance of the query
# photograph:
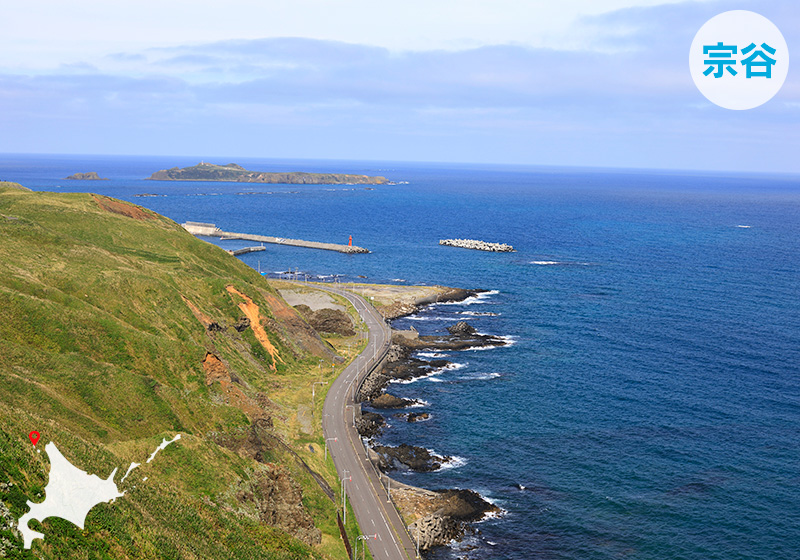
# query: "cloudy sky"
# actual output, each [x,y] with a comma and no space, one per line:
[557,82]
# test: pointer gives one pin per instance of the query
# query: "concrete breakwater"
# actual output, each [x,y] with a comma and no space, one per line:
[245,250]
[211,230]
[478,245]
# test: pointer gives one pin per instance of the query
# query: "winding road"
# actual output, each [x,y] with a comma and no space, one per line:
[377,516]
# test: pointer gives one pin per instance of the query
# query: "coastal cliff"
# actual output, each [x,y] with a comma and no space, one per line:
[237,174]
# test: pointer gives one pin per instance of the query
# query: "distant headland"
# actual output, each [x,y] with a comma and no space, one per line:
[90,176]
[236,173]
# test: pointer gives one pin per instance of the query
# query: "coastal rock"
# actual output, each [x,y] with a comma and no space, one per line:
[402,304]
[411,368]
[462,328]
[466,505]
[444,513]
[372,386]
[415,458]
[417,416]
[90,176]
[390,401]
[370,424]
[396,353]
[401,365]
[434,530]
[452,342]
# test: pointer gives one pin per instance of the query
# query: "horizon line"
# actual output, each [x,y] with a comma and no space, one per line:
[600,168]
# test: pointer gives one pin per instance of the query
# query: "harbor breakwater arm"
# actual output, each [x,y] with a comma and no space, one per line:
[211,230]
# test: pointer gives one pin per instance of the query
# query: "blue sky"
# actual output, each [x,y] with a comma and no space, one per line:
[571,82]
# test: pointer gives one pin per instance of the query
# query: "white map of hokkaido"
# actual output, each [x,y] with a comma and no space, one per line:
[70,492]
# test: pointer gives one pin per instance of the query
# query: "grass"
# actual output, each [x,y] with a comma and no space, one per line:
[100,352]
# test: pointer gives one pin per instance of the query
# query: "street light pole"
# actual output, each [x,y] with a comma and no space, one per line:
[313,394]
[326,445]
[344,496]
[363,544]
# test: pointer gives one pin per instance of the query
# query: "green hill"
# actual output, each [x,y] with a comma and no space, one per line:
[10,185]
[118,328]
[236,173]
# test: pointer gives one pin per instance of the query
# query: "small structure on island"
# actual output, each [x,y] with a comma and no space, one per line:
[478,245]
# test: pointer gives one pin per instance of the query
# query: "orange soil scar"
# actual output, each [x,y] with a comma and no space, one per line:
[202,317]
[216,371]
[251,311]
[124,208]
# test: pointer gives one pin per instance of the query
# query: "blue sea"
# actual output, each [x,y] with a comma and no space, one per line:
[649,404]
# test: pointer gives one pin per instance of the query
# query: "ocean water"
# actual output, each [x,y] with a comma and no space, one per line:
[649,406]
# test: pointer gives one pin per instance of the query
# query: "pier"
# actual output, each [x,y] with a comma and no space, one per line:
[244,250]
[478,245]
[211,230]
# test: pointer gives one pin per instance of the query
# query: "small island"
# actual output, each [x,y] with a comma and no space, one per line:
[90,176]
[237,174]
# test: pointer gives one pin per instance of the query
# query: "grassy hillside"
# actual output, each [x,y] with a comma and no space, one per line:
[118,328]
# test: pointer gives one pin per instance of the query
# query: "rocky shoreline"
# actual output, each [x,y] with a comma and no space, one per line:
[395,301]
[401,365]
[435,517]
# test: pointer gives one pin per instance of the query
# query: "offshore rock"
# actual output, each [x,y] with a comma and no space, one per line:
[390,401]
[462,328]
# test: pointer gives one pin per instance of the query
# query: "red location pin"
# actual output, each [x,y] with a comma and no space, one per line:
[34,436]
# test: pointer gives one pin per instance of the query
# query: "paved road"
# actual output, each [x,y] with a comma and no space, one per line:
[365,488]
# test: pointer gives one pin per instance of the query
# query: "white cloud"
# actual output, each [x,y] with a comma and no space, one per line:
[627,101]
[46,33]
